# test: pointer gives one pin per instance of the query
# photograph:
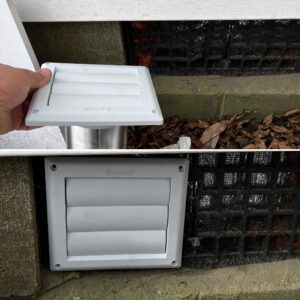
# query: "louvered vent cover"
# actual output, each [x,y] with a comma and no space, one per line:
[115,213]
[95,96]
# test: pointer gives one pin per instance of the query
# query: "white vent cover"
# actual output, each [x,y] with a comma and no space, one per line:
[116,213]
[95,96]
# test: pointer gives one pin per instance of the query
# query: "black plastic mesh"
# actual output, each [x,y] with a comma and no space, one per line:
[242,207]
[214,47]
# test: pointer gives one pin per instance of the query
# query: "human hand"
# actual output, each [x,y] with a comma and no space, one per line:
[16,88]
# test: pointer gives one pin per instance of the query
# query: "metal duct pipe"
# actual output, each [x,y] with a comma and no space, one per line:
[96,138]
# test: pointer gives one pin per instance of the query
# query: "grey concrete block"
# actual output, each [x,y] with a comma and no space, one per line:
[262,104]
[202,97]
[190,107]
[82,42]
[189,97]
[19,263]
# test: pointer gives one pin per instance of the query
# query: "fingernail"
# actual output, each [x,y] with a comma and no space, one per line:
[45,72]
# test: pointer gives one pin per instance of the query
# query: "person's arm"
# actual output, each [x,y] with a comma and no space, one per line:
[16,87]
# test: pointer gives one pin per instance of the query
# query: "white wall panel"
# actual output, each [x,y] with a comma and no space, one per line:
[16,51]
[15,48]
[120,10]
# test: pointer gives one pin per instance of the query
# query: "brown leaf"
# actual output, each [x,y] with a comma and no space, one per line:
[274,144]
[240,124]
[279,129]
[257,144]
[203,124]
[292,112]
[154,129]
[240,115]
[192,125]
[242,140]
[210,136]
[250,146]
[295,119]
[247,134]
[284,145]
[197,144]
[200,124]
[268,120]
[154,145]
[260,144]
[261,133]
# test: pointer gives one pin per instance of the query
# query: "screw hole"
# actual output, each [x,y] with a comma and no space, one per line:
[180,168]
[154,111]
[53,167]
[174,263]
[35,111]
[57,265]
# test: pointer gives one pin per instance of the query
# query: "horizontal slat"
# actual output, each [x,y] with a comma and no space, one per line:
[106,102]
[123,10]
[116,218]
[117,191]
[104,77]
[95,69]
[116,242]
[98,89]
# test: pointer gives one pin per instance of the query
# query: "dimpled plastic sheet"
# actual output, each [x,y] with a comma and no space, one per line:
[215,47]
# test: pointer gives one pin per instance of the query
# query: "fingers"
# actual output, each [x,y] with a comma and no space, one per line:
[15,87]
[39,78]
[21,77]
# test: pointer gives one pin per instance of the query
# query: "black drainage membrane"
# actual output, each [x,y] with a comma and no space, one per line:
[214,47]
[242,208]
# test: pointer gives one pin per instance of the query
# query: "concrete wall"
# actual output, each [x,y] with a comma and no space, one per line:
[19,262]
[94,42]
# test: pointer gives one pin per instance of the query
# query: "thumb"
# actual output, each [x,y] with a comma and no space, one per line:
[39,78]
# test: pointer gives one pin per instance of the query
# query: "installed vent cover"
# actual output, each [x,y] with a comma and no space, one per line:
[95,96]
[115,213]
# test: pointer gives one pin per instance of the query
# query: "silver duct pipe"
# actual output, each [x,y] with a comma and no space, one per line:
[96,138]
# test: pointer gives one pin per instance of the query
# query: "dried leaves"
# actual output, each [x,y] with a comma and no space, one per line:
[211,135]
[228,132]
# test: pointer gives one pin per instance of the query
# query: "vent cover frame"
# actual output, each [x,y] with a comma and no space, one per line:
[58,169]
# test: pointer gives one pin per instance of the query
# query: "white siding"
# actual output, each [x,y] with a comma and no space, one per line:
[121,10]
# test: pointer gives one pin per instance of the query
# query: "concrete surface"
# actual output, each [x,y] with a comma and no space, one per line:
[202,97]
[87,42]
[19,263]
[33,139]
[274,281]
